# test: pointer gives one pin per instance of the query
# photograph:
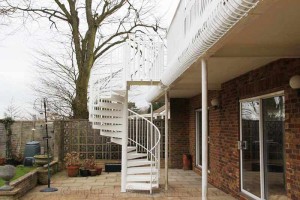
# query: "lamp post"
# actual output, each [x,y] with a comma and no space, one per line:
[49,188]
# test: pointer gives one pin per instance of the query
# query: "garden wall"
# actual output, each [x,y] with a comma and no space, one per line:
[66,136]
[22,133]
[21,186]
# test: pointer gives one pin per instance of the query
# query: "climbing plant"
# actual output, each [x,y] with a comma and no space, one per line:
[8,121]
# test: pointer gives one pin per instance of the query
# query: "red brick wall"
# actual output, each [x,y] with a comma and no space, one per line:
[179,132]
[267,79]
[214,130]
[224,124]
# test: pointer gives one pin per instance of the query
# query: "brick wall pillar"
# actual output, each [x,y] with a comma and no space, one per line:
[178,133]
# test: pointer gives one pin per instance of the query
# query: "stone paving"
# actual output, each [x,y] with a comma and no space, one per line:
[182,185]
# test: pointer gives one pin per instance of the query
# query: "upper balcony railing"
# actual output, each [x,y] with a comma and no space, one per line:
[144,58]
[185,19]
[196,27]
[140,58]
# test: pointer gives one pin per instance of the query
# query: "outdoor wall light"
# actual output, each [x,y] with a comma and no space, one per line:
[295,83]
[215,103]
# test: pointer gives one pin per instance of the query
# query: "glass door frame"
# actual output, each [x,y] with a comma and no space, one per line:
[261,144]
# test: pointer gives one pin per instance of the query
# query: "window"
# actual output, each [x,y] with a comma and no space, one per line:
[199,139]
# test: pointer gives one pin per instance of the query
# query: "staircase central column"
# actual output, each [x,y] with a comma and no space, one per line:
[124,142]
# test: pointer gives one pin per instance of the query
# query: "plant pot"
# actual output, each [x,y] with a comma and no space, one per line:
[42,160]
[84,172]
[72,171]
[98,170]
[93,172]
[10,161]
[7,172]
[2,161]
[187,162]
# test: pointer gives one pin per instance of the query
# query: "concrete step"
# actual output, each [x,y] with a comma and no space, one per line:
[118,128]
[129,149]
[140,170]
[114,120]
[120,92]
[133,155]
[117,106]
[140,186]
[140,178]
[139,162]
[108,113]
[112,134]
[117,98]
[116,140]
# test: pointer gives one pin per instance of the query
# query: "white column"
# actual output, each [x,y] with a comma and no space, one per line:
[166,138]
[124,142]
[204,129]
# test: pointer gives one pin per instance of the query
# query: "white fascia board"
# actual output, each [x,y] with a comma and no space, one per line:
[154,93]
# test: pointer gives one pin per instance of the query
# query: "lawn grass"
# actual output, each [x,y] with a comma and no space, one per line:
[20,171]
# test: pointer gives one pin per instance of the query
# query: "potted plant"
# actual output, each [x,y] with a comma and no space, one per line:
[92,166]
[84,172]
[72,163]
[2,159]
[98,170]
[88,168]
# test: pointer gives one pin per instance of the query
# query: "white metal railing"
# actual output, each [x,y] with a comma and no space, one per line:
[145,136]
[196,27]
[144,58]
[140,58]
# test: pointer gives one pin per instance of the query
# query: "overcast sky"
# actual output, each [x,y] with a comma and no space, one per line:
[17,57]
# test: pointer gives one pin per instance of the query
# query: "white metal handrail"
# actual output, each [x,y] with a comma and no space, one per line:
[144,58]
[149,144]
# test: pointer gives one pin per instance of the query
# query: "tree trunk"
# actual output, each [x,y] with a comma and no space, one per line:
[80,104]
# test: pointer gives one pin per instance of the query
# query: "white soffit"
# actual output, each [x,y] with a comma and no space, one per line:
[220,70]
[273,35]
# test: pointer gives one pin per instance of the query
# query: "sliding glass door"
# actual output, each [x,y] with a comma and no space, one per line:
[262,147]
[273,129]
[250,148]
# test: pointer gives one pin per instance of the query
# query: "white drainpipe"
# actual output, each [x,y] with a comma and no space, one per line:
[166,138]
[204,129]
[124,143]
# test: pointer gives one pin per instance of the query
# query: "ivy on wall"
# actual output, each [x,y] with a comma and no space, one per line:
[8,121]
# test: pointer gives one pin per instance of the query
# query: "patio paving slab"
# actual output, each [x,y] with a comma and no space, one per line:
[183,185]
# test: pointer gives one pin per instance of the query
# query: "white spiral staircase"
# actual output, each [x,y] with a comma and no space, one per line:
[143,150]
[139,137]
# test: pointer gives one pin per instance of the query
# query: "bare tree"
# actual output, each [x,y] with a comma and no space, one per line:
[95,27]
[56,81]
[5,12]
[13,111]
[57,78]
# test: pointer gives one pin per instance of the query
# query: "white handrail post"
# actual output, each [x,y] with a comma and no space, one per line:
[124,142]
[126,67]
[166,138]
[147,141]
[204,129]
[136,131]
[151,131]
